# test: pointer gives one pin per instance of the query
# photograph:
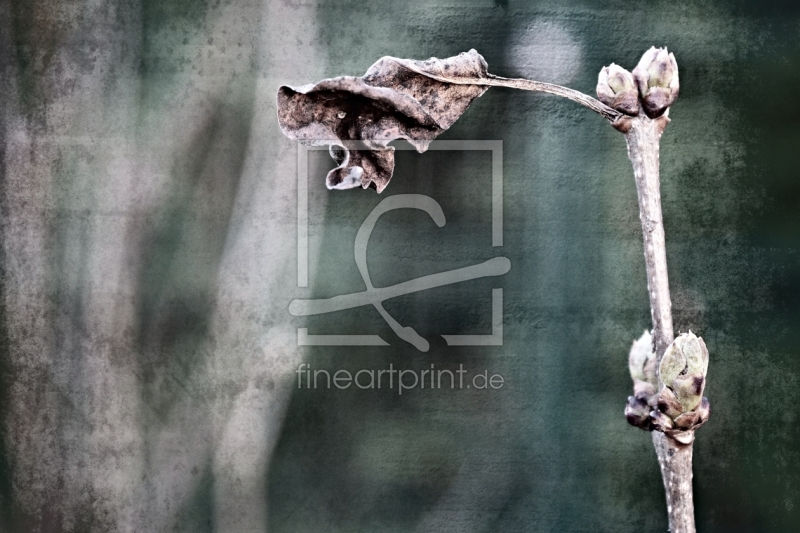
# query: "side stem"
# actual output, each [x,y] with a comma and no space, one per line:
[491,80]
[643,135]
[570,94]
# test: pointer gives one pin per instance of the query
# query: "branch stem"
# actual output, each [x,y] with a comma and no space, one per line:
[675,459]
[643,147]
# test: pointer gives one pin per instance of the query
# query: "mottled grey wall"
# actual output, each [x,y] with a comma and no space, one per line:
[148,259]
[147,235]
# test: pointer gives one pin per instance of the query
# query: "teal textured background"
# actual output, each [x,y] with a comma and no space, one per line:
[149,258]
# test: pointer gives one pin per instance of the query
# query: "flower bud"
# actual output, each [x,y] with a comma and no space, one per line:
[682,408]
[656,76]
[642,366]
[616,88]
[686,355]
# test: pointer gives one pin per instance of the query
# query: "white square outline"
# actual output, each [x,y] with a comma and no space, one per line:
[493,339]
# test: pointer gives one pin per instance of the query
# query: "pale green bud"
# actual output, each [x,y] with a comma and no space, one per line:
[686,355]
[683,371]
[642,360]
[656,76]
[617,89]
[642,366]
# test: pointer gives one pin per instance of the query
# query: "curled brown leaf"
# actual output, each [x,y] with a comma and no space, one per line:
[396,99]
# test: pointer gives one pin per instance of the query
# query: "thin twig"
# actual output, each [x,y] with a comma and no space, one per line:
[491,80]
[571,94]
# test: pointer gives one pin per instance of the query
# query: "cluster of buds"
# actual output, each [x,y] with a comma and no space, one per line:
[652,87]
[682,408]
[679,408]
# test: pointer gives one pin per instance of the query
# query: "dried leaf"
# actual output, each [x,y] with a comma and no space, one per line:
[395,99]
